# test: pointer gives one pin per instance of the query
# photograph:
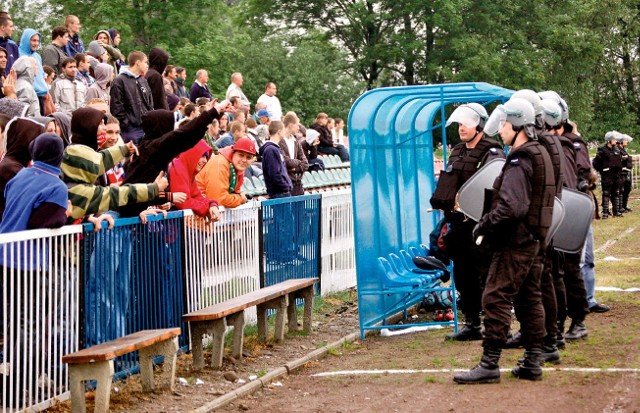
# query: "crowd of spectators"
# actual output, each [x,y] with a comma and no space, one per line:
[136,136]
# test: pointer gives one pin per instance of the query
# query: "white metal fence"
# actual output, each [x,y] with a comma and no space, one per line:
[41,313]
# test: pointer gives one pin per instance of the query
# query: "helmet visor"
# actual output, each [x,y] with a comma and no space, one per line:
[464,115]
[496,121]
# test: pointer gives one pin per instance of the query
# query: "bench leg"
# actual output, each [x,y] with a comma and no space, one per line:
[262,322]
[237,320]
[168,349]
[281,309]
[198,330]
[217,330]
[102,372]
[292,313]
[307,295]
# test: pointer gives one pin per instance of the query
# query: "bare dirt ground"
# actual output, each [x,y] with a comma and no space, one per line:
[560,391]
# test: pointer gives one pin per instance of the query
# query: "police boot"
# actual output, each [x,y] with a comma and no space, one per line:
[515,341]
[577,331]
[550,353]
[560,341]
[530,367]
[487,371]
[625,203]
[471,331]
[615,205]
[605,207]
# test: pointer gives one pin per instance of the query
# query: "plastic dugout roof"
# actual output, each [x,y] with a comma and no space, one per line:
[392,166]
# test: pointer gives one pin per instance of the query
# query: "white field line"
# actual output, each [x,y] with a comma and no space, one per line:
[449,371]
[609,243]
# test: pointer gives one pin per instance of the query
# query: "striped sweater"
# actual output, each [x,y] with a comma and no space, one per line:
[81,167]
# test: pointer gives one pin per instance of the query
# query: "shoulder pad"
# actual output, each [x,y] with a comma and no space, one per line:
[493,150]
[576,145]
[515,161]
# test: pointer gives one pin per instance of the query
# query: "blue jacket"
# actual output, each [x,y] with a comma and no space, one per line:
[276,177]
[39,84]
[12,52]
[27,191]
[74,46]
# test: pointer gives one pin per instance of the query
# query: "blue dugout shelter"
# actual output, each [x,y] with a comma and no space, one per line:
[392,169]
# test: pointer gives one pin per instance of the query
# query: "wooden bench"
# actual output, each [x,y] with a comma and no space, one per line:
[96,363]
[281,297]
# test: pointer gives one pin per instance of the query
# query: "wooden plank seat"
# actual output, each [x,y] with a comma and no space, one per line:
[281,297]
[96,363]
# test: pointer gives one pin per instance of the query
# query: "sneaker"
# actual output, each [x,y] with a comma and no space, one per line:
[599,308]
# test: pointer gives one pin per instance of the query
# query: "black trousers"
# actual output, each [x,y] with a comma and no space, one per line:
[514,280]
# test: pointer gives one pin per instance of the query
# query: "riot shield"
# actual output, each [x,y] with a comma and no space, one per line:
[470,198]
[573,229]
[559,213]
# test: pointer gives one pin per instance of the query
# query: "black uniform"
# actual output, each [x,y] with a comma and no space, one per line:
[625,177]
[470,263]
[608,162]
[516,227]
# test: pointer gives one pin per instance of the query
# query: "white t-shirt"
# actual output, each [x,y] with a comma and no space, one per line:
[273,105]
[291,145]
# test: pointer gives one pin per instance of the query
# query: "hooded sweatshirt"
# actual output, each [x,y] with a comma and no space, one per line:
[161,144]
[24,85]
[39,85]
[214,180]
[36,198]
[113,52]
[82,165]
[276,178]
[19,132]
[182,178]
[102,86]
[158,60]
[64,123]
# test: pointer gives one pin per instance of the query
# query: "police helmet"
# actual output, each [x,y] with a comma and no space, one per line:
[626,137]
[531,97]
[612,135]
[551,112]
[471,115]
[517,111]
[550,94]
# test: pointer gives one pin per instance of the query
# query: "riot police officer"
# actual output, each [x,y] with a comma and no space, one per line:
[515,227]
[627,166]
[470,264]
[608,162]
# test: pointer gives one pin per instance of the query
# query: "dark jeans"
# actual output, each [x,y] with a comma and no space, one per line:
[316,164]
[276,196]
[514,280]
[339,150]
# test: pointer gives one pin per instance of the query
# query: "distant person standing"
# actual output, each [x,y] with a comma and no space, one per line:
[199,88]
[181,77]
[75,44]
[54,53]
[271,101]
[6,30]
[276,178]
[131,97]
[235,89]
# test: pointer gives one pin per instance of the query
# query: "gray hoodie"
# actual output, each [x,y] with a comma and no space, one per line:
[24,85]
[101,88]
